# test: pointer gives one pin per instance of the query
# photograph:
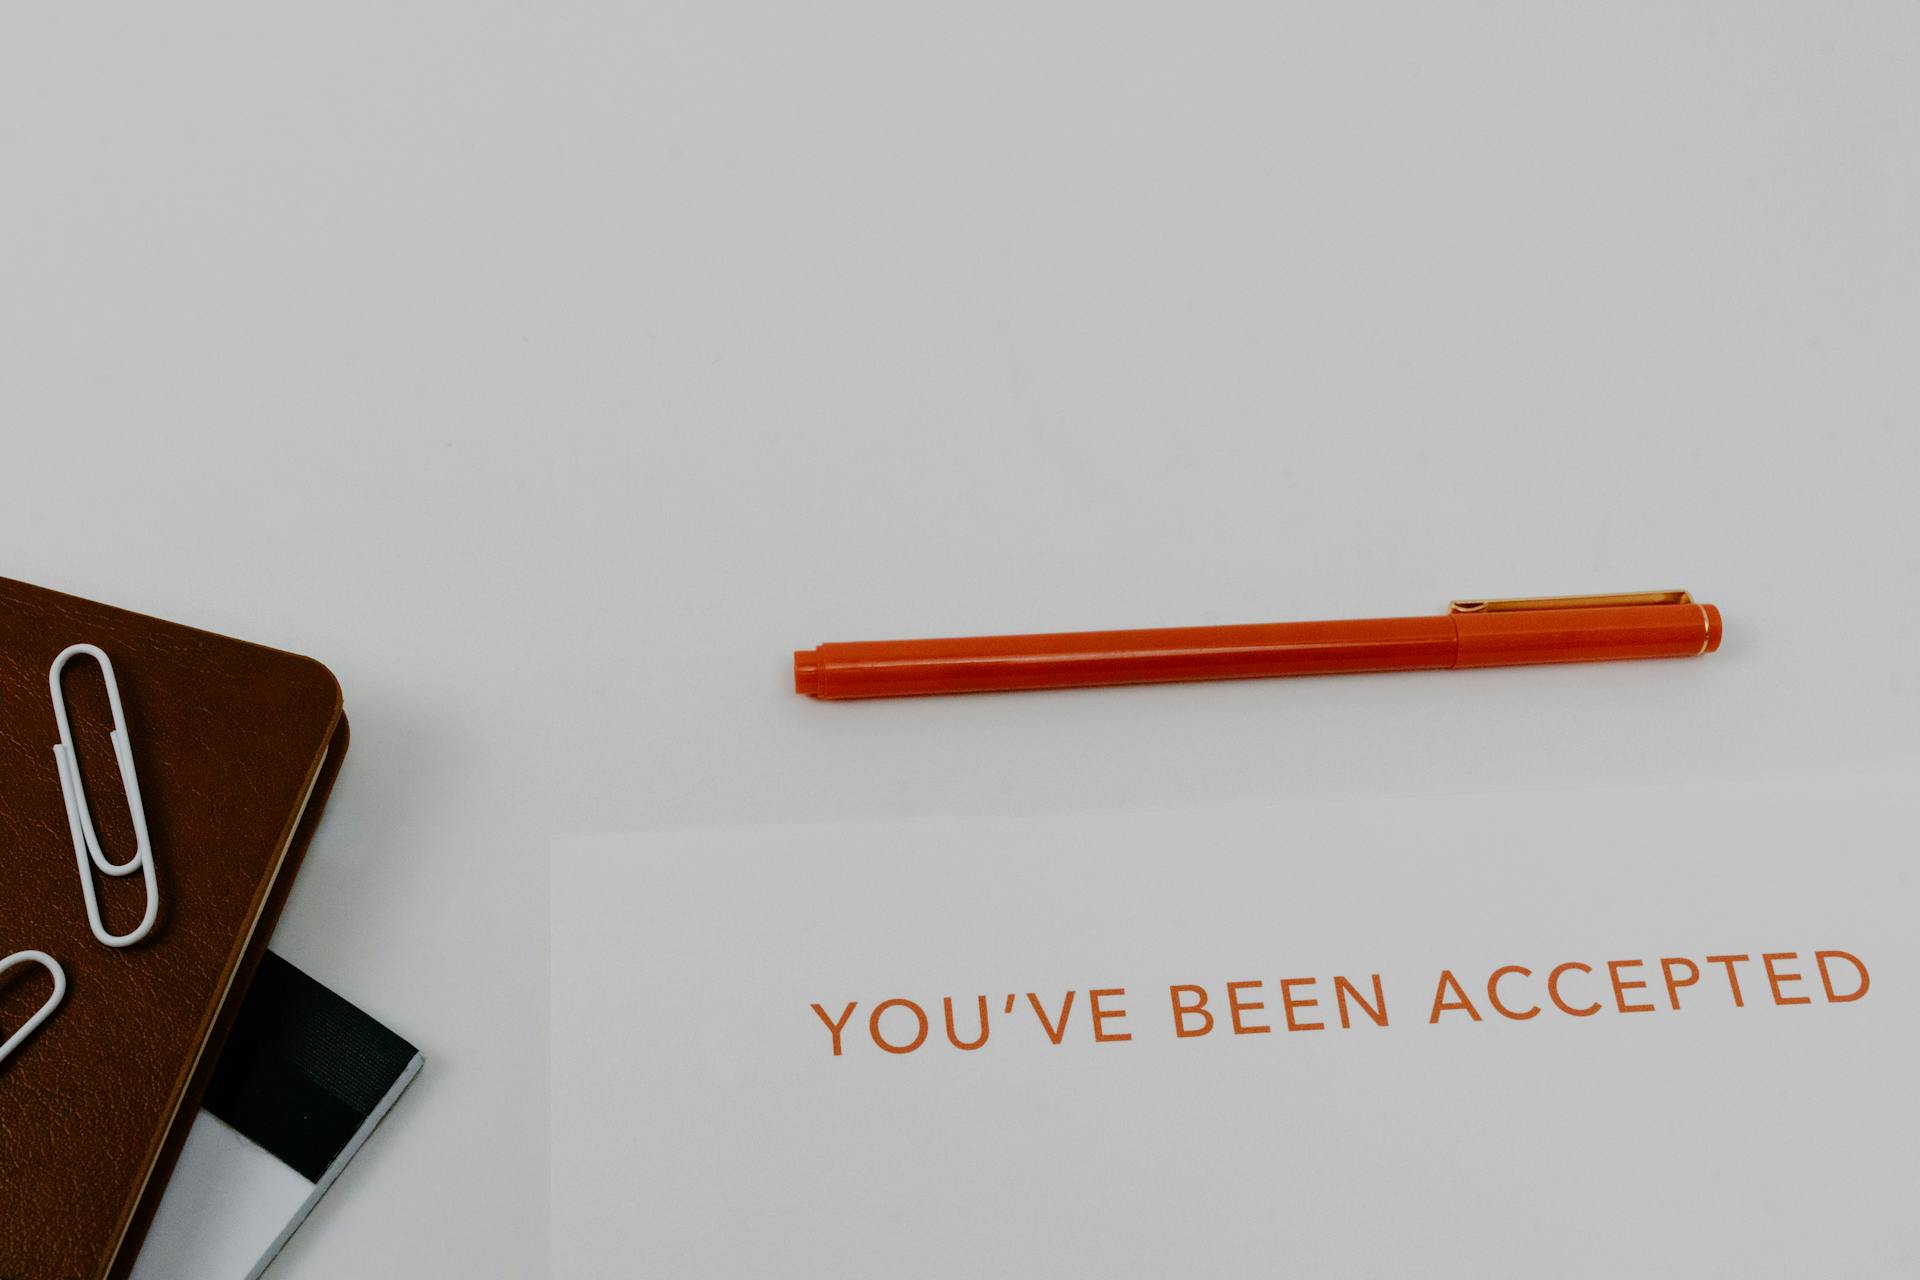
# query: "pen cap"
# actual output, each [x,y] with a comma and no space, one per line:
[1495,636]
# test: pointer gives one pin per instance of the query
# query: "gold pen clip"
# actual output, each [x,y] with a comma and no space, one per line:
[1525,603]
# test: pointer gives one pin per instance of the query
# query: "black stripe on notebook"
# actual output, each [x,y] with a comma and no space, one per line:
[303,1069]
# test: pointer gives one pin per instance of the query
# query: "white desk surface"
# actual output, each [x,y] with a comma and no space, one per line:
[551,373]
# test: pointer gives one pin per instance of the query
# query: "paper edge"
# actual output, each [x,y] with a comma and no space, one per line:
[339,1164]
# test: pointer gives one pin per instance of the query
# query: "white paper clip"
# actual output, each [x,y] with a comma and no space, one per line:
[46,1009]
[86,844]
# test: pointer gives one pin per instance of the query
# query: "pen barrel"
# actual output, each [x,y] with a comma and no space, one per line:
[1530,636]
[906,668]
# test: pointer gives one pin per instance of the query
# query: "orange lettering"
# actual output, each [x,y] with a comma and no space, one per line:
[1775,979]
[1493,993]
[873,1025]
[1376,1011]
[1553,990]
[1101,1015]
[1441,1004]
[1235,1006]
[1288,1004]
[955,1039]
[1733,979]
[1066,1007]
[835,1027]
[1673,988]
[1821,957]
[1620,988]
[1181,1012]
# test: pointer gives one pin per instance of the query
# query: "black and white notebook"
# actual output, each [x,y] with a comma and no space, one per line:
[302,1083]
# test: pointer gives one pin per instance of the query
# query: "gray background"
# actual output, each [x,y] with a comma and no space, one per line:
[551,371]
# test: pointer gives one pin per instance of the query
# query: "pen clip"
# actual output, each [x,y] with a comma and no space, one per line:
[1523,604]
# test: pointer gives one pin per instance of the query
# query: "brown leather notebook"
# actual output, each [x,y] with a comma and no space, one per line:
[235,746]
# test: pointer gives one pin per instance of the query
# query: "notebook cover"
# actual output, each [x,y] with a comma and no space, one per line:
[236,746]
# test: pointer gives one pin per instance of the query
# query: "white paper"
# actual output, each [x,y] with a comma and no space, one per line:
[702,1124]
[232,1205]
[226,1204]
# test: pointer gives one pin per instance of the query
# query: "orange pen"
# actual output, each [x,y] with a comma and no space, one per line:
[1472,633]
